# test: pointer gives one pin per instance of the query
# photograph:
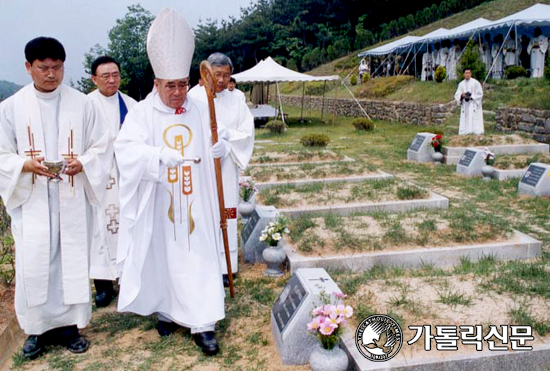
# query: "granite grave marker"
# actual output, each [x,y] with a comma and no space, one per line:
[250,233]
[471,162]
[292,311]
[536,180]
[421,149]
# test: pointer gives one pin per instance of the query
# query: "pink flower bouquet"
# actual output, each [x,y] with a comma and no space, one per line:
[329,319]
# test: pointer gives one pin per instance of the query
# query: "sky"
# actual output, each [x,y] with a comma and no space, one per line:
[80,24]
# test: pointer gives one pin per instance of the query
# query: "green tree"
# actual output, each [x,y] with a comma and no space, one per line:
[127,45]
[471,59]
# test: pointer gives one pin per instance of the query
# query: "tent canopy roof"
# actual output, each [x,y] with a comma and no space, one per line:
[538,13]
[388,48]
[270,71]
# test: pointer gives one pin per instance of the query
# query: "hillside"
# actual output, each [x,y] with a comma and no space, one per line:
[517,93]
[7,88]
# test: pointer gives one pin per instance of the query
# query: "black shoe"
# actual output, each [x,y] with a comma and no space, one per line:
[104,293]
[225,280]
[34,346]
[78,345]
[165,328]
[207,342]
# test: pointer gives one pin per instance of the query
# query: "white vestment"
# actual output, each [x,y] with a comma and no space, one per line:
[471,113]
[443,57]
[50,221]
[497,60]
[485,53]
[452,60]
[169,236]
[511,55]
[426,66]
[232,111]
[537,50]
[106,217]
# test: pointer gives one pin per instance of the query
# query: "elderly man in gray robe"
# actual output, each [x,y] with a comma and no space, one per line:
[42,123]
[469,95]
[232,111]
[170,236]
[111,107]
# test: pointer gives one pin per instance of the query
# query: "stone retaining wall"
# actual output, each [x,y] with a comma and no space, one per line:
[535,123]
[406,112]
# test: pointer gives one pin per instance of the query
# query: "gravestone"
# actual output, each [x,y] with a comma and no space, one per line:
[536,180]
[421,149]
[292,312]
[250,233]
[471,162]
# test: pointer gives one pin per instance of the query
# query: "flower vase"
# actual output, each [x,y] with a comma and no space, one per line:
[274,256]
[437,157]
[322,359]
[488,171]
[246,208]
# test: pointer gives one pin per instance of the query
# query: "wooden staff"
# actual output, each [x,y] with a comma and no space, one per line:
[210,87]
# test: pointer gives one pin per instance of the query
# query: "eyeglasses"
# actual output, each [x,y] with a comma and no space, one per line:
[107,76]
[172,86]
[45,69]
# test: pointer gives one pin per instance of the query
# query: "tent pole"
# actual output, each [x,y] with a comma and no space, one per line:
[335,103]
[267,94]
[303,93]
[323,102]
[280,103]
[499,51]
[355,99]
[517,54]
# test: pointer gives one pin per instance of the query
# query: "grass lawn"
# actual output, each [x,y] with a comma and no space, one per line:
[129,342]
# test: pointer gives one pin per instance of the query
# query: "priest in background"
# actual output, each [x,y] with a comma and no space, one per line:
[510,51]
[537,50]
[170,237]
[469,95]
[50,220]
[232,111]
[111,107]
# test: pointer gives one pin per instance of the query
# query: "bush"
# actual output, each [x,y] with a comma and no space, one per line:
[513,72]
[315,88]
[315,140]
[384,86]
[472,60]
[363,124]
[353,80]
[547,67]
[276,126]
[366,77]
[440,74]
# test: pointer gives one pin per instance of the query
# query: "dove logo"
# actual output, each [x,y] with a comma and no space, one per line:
[379,338]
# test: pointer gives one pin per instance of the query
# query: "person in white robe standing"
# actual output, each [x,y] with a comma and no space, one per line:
[51,218]
[234,114]
[537,50]
[363,69]
[485,52]
[426,66]
[232,87]
[452,60]
[469,95]
[111,107]
[170,238]
[498,57]
[444,54]
[511,51]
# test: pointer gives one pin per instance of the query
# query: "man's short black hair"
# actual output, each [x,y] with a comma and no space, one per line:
[44,47]
[466,69]
[232,79]
[102,60]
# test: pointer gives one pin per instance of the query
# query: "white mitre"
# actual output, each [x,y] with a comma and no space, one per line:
[170,45]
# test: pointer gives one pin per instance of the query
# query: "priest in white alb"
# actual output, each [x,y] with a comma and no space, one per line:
[537,50]
[469,95]
[426,73]
[111,107]
[51,218]
[170,236]
[233,113]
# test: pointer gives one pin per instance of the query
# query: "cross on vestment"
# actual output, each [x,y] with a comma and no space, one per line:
[32,152]
[112,211]
[111,183]
[113,226]
[70,155]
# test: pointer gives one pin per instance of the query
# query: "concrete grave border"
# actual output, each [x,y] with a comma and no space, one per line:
[520,246]
[299,182]
[345,159]
[453,154]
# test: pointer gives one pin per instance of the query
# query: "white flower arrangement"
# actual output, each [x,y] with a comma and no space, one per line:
[274,232]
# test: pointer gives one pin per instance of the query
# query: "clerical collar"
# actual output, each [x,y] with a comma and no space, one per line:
[159,104]
[110,99]
[49,95]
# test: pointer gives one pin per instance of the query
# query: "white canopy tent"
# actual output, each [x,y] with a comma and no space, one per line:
[268,71]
